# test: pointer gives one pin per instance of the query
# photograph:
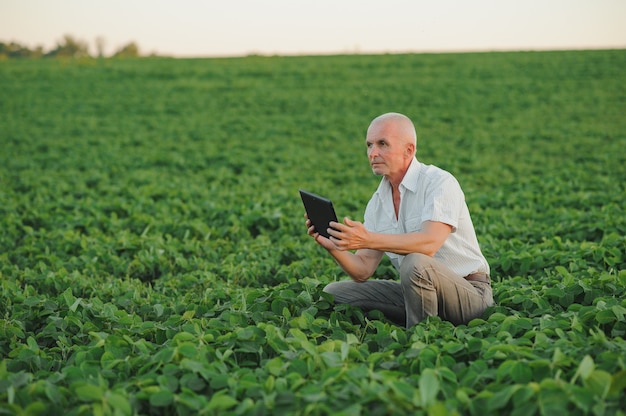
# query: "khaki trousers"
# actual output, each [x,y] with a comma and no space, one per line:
[427,287]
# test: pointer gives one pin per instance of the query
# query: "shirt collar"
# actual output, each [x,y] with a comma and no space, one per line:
[408,182]
[410,178]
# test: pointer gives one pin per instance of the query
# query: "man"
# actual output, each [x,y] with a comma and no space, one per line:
[419,218]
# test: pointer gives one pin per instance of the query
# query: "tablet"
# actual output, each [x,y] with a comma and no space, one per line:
[319,210]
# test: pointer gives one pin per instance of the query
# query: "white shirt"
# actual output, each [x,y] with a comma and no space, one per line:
[428,193]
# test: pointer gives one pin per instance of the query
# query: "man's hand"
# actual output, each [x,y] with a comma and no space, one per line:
[351,235]
[344,237]
[319,239]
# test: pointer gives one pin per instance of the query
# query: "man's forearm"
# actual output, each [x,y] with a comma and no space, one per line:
[355,266]
[404,244]
[428,241]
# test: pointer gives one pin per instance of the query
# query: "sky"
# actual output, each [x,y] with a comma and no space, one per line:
[209,28]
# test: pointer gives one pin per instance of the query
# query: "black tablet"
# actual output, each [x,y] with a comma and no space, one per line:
[319,210]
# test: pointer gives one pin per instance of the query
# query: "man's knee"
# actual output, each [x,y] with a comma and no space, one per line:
[331,288]
[413,265]
[339,290]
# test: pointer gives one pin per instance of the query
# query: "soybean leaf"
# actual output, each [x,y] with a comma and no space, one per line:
[428,386]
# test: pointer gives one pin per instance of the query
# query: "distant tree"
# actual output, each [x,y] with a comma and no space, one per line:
[131,50]
[15,50]
[70,48]
[100,43]
[37,52]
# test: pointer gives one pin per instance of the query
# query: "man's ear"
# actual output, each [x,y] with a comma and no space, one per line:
[410,149]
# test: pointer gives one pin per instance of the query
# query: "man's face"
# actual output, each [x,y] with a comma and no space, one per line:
[386,152]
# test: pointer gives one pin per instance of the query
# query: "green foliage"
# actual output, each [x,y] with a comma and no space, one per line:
[154,259]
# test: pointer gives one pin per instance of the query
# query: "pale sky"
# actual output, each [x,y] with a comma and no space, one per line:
[197,28]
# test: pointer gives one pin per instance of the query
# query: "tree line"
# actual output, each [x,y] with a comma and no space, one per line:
[68,47]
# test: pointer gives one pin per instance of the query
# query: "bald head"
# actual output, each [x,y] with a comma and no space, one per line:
[401,126]
[391,142]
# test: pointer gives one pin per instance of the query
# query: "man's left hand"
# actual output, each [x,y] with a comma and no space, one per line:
[349,235]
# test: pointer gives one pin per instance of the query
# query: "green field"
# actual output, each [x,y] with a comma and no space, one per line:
[154,257]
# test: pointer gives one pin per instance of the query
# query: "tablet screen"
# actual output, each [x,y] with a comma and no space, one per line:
[319,210]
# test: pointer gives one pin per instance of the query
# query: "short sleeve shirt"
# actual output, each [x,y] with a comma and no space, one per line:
[428,193]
